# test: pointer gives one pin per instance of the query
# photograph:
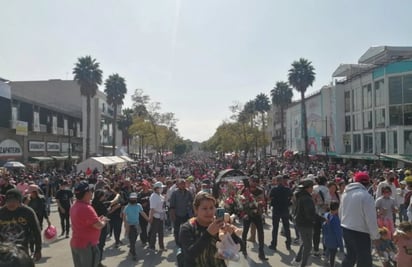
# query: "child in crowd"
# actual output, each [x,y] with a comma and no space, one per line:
[386,206]
[332,233]
[131,213]
[386,249]
[403,241]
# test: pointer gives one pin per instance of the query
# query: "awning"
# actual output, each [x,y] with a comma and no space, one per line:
[60,157]
[403,158]
[42,158]
[126,158]
[358,156]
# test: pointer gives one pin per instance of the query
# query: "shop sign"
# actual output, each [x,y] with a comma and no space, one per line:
[37,146]
[21,128]
[10,147]
[53,147]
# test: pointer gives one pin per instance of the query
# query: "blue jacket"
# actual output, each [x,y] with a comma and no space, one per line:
[332,231]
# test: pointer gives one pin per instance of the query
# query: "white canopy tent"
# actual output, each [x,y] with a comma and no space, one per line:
[100,162]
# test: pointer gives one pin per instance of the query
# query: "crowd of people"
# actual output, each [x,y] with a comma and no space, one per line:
[360,212]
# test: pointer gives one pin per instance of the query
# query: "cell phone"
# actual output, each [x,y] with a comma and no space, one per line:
[220,213]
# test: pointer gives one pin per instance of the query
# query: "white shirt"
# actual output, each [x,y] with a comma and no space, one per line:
[157,204]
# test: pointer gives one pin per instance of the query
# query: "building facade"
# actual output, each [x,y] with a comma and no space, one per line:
[365,114]
[43,121]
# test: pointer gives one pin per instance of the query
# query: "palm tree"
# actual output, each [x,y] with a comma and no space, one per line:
[262,105]
[88,75]
[282,96]
[115,89]
[301,76]
[124,123]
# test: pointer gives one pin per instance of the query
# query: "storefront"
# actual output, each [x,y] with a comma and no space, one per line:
[10,149]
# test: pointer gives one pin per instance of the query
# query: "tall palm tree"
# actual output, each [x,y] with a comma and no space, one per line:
[115,89]
[88,75]
[262,105]
[124,123]
[301,76]
[282,96]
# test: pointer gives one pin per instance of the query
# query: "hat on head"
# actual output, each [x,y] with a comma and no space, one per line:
[145,183]
[133,195]
[311,177]
[158,185]
[190,178]
[81,187]
[13,194]
[361,177]
[306,183]
[403,182]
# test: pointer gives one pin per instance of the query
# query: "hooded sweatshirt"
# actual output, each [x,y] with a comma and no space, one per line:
[357,210]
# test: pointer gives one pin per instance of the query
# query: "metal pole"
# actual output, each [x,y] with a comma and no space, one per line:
[327,139]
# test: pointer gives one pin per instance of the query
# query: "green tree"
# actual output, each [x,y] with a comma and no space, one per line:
[282,96]
[88,75]
[115,89]
[262,106]
[124,123]
[301,76]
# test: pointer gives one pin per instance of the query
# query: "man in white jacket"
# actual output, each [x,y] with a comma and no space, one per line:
[359,222]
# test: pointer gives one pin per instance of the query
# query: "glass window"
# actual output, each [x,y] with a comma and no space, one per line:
[392,142]
[367,143]
[357,100]
[357,121]
[347,101]
[347,123]
[380,118]
[395,115]
[380,142]
[407,89]
[407,142]
[379,97]
[367,120]
[407,114]
[356,143]
[395,90]
[367,96]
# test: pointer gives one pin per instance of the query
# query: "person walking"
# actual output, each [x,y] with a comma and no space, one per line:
[100,207]
[180,207]
[131,215]
[305,216]
[19,224]
[157,216]
[280,197]
[143,197]
[64,200]
[359,222]
[86,227]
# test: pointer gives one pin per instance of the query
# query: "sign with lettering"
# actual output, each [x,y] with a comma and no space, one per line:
[9,148]
[37,146]
[21,128]
[53,147]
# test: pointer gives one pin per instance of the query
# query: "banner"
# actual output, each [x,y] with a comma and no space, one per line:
[53,147]
[37,146]
[22,128]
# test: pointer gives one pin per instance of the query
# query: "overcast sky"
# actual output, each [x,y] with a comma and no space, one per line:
[195,57]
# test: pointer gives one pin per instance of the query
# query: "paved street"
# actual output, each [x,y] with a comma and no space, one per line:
[58,253]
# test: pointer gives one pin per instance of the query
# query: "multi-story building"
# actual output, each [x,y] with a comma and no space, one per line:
[46,121]
[367,112]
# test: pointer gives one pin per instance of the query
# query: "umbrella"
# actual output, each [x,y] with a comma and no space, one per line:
[227,175]
[14,164]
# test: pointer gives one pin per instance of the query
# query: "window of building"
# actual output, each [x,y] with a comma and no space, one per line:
[347,101]
[367,120]
[407,114]
[367,96]
[395,90]
[407,89]
[380,142]
[357,143]
[367,143]
[357,99]
[380,118]
[357,121]
[395,115]
[393,142]
[347,123]
[379,95]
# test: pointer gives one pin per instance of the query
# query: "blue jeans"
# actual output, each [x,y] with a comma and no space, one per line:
[358,249]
